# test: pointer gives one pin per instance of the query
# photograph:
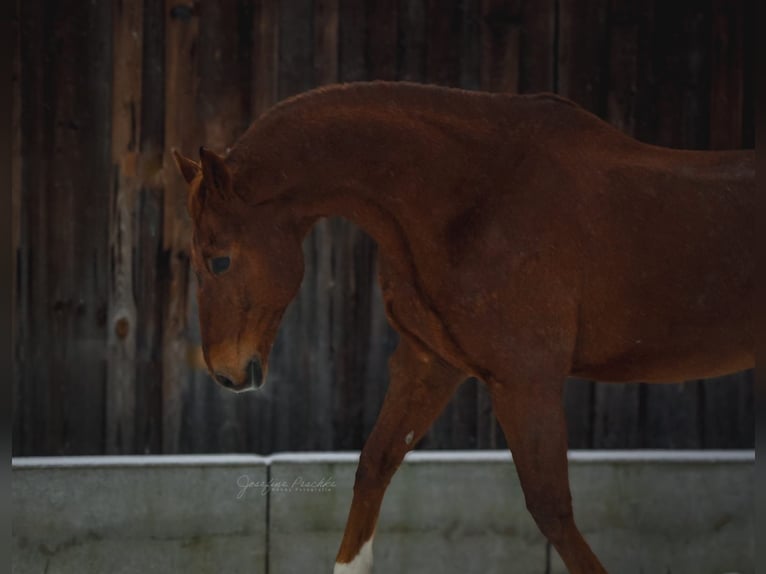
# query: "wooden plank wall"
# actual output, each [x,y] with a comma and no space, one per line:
[107,341]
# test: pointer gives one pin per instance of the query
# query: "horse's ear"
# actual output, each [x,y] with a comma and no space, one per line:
[214,171]
[188,168]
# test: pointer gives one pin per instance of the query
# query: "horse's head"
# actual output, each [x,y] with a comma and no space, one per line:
[249,266]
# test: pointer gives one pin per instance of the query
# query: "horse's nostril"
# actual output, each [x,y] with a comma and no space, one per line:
[225,381]
[255,372]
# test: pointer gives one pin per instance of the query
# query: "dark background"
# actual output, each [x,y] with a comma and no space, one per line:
[107,353]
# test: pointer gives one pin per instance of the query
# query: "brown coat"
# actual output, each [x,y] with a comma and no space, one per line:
[522,240]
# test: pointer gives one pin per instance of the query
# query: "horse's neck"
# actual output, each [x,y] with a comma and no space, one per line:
[364,210]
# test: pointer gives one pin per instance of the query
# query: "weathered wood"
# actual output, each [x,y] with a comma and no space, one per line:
[470,44]
[127,51]
[671,416]
[501,42]
[583,52]
[623,65]
[326,22]
[381,40]
[748,83]
[67,48]
[265,56]
[538,42]
[727,411]
[727,82]
[148,257]
[616,421]
[579,403]
[17,330]
[32,377]
[673,74]
[412,41]
[443,37]
[681,65]
[181,131]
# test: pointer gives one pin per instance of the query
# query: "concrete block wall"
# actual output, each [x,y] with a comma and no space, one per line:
[445,512]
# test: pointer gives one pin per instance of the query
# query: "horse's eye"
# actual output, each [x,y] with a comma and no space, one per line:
[219,264]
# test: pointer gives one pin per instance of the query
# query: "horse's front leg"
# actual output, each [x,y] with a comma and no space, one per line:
[420,386]
[531,413]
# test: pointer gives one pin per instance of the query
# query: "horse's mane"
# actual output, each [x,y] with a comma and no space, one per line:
[382,88]
[380,92]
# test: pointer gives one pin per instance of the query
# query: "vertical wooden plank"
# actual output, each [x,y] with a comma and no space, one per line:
[501,43]
[727,410]
[66,125]
[538,43]
[352,66]
[127,34]
[616,416]
[16,215]
[265,56]
[748,89]
[681,64]
[411,44]
[32,278]
[470,44]
[672,418]
[623,65]
[326,24]
[583,52]
[579,403]
[443,37]
[181,131]
[150,261]
[727,81]
[645,123]
[381,39]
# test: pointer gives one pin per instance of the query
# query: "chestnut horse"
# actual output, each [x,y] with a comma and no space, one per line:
[521,240]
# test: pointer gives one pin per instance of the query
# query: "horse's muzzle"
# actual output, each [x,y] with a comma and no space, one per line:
[253,378]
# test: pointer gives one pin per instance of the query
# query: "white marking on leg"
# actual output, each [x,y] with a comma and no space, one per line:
[409,437]
[361,564]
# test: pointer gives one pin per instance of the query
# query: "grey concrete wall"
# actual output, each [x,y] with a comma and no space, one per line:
[444,512]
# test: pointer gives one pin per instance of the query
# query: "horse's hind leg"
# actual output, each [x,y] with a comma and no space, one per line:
[531,414]
[420,387]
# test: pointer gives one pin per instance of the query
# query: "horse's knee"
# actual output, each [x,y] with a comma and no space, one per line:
[375,468]
[553,520]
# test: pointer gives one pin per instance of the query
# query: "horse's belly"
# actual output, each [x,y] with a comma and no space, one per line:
[665,350]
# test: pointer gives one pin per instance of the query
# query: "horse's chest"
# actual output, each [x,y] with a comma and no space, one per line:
[411,312]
